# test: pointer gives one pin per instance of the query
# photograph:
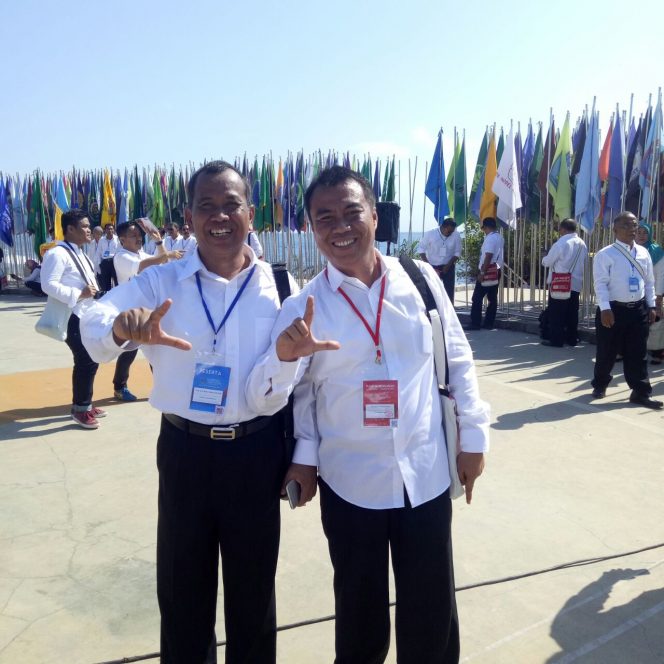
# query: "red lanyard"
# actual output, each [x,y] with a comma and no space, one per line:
[375,335]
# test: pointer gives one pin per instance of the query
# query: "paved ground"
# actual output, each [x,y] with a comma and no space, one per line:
[568,479]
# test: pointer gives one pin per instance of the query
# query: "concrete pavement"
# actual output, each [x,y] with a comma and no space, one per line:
[567,479]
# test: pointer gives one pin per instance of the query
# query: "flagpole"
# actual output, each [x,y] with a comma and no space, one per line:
[424,206]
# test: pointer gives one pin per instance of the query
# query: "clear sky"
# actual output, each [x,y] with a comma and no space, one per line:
[95,84]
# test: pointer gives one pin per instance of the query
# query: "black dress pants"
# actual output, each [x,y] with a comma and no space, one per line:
[83,375]
[359,540]
[122,365]
[564,320]
[629,336]
[218,496]
[491,294]
[448,283]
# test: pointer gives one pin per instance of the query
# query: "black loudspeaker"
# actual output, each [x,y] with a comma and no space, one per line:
[388,222]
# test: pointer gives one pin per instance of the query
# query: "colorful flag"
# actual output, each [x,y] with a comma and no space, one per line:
[534,205]
[548,151]
[61,205]
[6,224]
[506,184]
[489,199]
[587,197]
[451,175]
[559,185]
[435,189]
[37,217]
[478,179]
[108,212]
[603,166]
[616,175]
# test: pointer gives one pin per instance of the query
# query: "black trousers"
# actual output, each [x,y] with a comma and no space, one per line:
[629,336]
[35,287]
[448,283]
[564,320]
[218,496]
[83,375]
[359,540]
[107,276]
[491,294]
[122,364]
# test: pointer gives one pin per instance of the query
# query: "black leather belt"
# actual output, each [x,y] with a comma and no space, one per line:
[219,432]
[628,305]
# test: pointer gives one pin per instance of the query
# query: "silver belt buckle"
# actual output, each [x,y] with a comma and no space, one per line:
[222,433]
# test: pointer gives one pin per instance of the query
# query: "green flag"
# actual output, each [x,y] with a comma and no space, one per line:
[500,147]
[478,178]
[559,184]
[534,196]
[157,212]
[37,215]
[389,192]
[451,175]
[460,201]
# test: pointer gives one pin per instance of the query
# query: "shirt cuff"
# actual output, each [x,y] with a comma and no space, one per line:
[306,452]
[604,306]
[282,374]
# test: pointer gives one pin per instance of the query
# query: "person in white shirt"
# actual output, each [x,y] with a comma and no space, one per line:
[255,244]
[441,247]
[33,280]
[384,480]
[68,276]
[567,255]
[644,238]
[92,249]
[108,245]
[203,322]
[491,256]
[625,294]
[173,239]
[188,239]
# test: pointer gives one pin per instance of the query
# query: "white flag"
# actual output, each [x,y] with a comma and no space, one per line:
[506,184]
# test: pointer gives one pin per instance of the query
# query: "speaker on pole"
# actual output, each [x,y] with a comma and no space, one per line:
[388,222]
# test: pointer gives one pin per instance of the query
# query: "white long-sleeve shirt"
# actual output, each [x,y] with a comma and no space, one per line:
[171,244]
[242,340]
[493,244]
[612,272]
[126,263]
[91,249]
[370,466]
[439,249]
[61,278]
[562,257]
[107,248]
[190,243]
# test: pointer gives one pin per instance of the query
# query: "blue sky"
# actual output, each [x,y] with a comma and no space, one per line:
[113,84]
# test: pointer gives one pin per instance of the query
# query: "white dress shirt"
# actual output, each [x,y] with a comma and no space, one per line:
[91,249]
[255,244]
[107,248]
[658,270]
[612,271]
[563,254]
[493,244]
[439,249]
[61,278]
[370,466]
[244,337]
[126,263]
[171,244]
[190,243]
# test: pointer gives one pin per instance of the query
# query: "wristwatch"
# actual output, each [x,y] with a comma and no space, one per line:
[159,243]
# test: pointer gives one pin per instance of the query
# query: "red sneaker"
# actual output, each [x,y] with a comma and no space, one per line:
[98,412]
[85,419]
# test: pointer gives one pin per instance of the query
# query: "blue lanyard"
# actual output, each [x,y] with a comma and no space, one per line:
[216,330]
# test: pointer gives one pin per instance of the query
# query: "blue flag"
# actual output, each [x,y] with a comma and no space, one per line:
[587,202]
[614,191]
[651,154]
[435,188]
[526,160]
[6,225]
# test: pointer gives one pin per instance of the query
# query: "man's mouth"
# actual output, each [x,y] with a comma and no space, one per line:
[343,243]
[220,232]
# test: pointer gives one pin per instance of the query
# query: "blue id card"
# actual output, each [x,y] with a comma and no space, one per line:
[633,284]
[210,388]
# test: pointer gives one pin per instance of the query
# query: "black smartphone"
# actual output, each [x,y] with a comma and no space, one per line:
[293,492]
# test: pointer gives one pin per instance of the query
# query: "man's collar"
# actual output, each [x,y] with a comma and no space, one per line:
[335,277]
[192,263]
[624,244]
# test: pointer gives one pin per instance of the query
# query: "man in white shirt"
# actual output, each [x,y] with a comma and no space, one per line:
[203,322]
[384,476]
[92,249]
[108,246]
[441,247]
[68,276]
[33,280]
[491,256]
[255,244]
[625,293]
[567,255]
[188,239]
[173,239]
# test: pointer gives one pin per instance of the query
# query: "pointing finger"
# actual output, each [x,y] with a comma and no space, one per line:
[175,342]
[160,311]
[309,311]
[326,345]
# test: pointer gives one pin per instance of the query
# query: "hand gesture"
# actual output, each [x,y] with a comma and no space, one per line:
[297,340]
[470,466]
[144,327]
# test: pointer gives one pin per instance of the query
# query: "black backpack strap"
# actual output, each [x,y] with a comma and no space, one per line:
[416,276]
[280,274]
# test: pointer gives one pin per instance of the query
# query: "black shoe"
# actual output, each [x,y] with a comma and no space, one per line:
[549,343]
[645,401]
[599,393]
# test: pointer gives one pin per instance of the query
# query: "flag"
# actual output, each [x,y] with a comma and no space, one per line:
[587,197]
[6,224]
[534,205]
[18,206]
[506,184]
[632,170]
[526,160]
[390,191]
[548,151]
[651,155]
[435,189]
[460,198]
[157,215]
[123,201]
[451,175]
[500,147]
[478,180]
[61,205]
[603,166]
[616,175]
[108,213]
[138,210]
[376,181]
[278,194]
[489,199]
[559,184]
[37,217]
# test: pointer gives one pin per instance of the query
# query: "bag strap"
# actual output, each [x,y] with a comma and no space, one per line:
[630,258]
[79,266]
[423,289]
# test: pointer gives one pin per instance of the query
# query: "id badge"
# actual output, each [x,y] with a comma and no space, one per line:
[209,389]
[633,284]
[380,403]
[106,254]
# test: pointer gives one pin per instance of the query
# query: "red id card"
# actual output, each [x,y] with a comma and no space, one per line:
[380,403]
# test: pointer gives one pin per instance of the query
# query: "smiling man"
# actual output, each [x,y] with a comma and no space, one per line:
[368,416]
[203,321]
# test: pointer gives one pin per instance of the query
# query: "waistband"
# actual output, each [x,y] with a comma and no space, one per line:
[628,305]
[219,432]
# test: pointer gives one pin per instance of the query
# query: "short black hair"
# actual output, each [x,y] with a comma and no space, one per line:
[569,225]
[171,224]
[109,223]
[333,176]
[214,168]
[72,218]
[489,221]
[124,228]
[448,221]
[623,216]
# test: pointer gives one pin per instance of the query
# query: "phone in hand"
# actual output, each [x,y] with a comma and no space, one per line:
[293,492]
